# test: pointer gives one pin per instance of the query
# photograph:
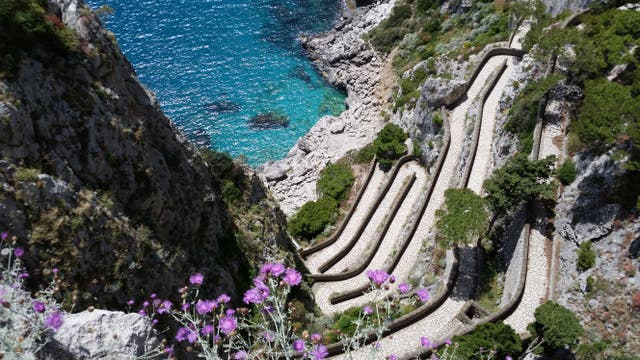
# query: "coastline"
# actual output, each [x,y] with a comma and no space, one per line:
[347,62]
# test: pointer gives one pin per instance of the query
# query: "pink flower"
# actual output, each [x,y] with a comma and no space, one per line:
[54,320]
[206,330]
[145,304]
[392,357]
[38,306]
[185,307]
[423,295]
[205,306]
[404,288]
[227,324]
[165,306]
[315,337]
[298,345]
[23,275]
[186,334]
[131,302]
[508,358]
[274,269]
[153,296]
[141,312]
[268,337]
[18,252]
[240,355]
[4,235]
[367,310]
[378,277]
[223,299]
[252,296]
[196,279]
[426,343]
[448,342]
[292,277]
[319,352]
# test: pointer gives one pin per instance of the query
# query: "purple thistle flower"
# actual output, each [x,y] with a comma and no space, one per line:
[185,307]
[54,320]
[38,306]
[169,350]
[426,343]
[448,342]
[141,312]
[404,288]
[4,235]
[230,312]
[298,345]
[196,279]
[206,330]
[181,334]
[367,310]
[423,295]
[378,277]
[223,299]
[240,355]
[315,337]
[319,352]
[392,279]
[277,269]
[268,336]
[392,357]
[435,357]
[131,302]
[508,358]
[23,275]
[18,252]
[156,302]
[205,306]
[55,270]
[153,296]
[227,324]
[165,306]
[192,337]
[292,277]
[252,296]
[154,321]
[145,304]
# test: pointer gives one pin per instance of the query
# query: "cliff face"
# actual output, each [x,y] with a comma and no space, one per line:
[98,179]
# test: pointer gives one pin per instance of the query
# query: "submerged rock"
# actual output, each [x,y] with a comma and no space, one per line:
[269,120]
[222,106]
[299,72]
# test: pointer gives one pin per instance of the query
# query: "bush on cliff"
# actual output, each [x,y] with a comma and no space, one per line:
[555,327]
[463,218]
[586,256]
[389,145]
[336,181]
[313,217]
[567,172]
[488,337]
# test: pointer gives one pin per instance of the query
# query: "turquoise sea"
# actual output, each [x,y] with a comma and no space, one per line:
[215,64]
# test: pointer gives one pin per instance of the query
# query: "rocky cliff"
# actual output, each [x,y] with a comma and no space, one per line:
[95,180]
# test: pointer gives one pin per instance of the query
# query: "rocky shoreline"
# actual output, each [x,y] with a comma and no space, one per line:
[348,62]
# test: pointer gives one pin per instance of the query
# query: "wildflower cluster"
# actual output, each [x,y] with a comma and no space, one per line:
[26,323]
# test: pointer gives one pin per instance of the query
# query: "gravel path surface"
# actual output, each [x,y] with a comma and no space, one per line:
[324,291]
[373,229]
[378,179]
[535,288]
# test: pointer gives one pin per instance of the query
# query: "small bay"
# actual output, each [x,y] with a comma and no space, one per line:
[217,64]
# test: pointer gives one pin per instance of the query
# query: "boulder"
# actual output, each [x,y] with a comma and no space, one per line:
[439,91]
[275,172]
[102,334]
[337,127]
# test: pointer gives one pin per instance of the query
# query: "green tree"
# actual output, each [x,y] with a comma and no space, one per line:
[313,217]
[499,337]
[567,172]
[389,145]
[586,256]
[519,180]
[335,181]
[555,327]
[463,218]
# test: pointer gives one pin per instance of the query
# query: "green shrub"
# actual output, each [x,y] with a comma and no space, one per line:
[24,174]
[590,283]
[365,155]
[221,164]
[463,218]
[313,217]
[437,118]
[335,181]
[410,89]
[592,351]
[389,145]
[586,256]
[519,180]
[556,326]
[345,322]
[567,172]
[489,336]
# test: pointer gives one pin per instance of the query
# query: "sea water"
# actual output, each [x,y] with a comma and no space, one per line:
[215,64]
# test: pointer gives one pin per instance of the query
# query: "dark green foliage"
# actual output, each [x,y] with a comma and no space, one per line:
[390,31]
[221,164]
[399,13]
[489,336]
[567,172]
[591,351]
[365,155]
[336,181]
[463,218]
[608,112]
[523,113]
[313,217]
[586,256]
[590,283]
[389,145]
[25,24]
[424,5]
[345,323]
[556,326]
[519,180]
